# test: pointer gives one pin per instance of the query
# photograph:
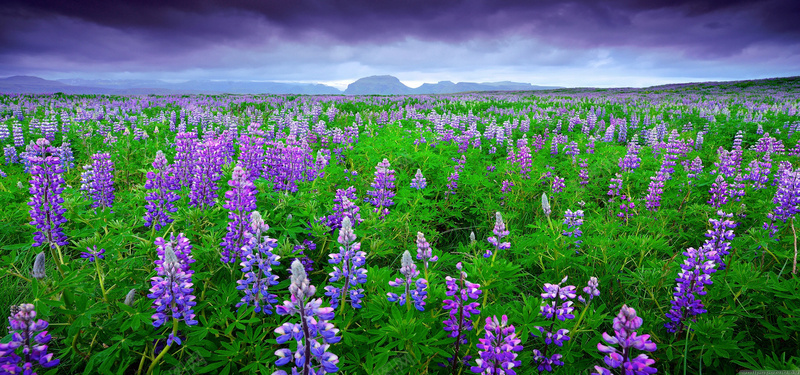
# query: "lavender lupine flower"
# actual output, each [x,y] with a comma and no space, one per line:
[695,275]
[185,158]
[30,335]
[505,189]
[625,325]
[47,183]
[461,310]
[694,169]
[452,183]
[497,349]
[719,192]
[654,191]
[350,258]
[409,271]
[311,356]
[546,205]
[383,184]
[161,198]
[786,199]
[171,290]
[626,207]
[419,182]
[10,153]
[257,262]
[424,252]
[38,271]
[591,290]
[100,187]
[573,220]
[558,184]
[553,310]
[241,201]
[205,175]
[500,233]
[718,242]
[583,173]
[91,253]
[343,206]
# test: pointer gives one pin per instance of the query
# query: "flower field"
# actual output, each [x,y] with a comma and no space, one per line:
[572,231]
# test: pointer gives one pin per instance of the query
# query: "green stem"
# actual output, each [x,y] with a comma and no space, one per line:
[166,348]
[100,278]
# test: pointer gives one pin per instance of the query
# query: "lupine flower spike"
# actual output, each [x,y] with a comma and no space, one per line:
[409,271]
[171,290]
[497,349]
[257,262]
[500,232]
[461,311]
[625,325]
[560,308]
[312,356]
[28,334]
[351,261]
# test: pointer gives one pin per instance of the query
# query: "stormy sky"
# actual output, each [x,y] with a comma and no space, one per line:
[546,42]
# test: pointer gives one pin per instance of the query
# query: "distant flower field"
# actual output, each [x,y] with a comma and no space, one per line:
[575,231]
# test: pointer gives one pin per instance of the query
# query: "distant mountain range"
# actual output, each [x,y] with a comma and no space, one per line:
[374,85]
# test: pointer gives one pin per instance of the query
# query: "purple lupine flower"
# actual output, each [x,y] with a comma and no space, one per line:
[718,242]
[573,220]
[241,201]
[591,290]
[558,184]
[654,191]
[257,261]
[383,184]
[694,169]
[584,172]
[572,150]
[185,158]
[3,174]
[161,198]
[786,199]
[171,290]
[631,160]
[11,155]
[299,250]
[409,270]
[311,356]
[99,184]
[29,334]
[500,233]
[424,252]
[92,253]
[206,173]
[505,189]
[625,325]
[351,262]
[452,183]
[626,207]
[719,192]
[497,349]
[47,183]
[459,319]
[614,187]
[419,182]
[695,275]
[343,206]
[552,310]
[590,146]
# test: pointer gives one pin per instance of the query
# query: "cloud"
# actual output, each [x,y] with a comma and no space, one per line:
[431,39]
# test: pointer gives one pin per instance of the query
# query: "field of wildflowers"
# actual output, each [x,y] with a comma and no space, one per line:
[575,231]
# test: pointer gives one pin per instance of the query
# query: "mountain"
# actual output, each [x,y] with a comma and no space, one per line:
[213,87]
[378,85]
[389,85]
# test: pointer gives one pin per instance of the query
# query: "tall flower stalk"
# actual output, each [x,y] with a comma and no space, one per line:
[241,201]
[383,185]
[257,262]
[497,350]
[46,211]
[31,336]
[350,271]
[409,271]
[311,356]
[500,232]
[161,197]
[625,325]
[557,305]
[171,290]
[459,319]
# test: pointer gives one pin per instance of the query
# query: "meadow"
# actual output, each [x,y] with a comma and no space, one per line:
[572,231]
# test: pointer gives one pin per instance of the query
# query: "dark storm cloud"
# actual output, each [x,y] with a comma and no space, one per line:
[219,36]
